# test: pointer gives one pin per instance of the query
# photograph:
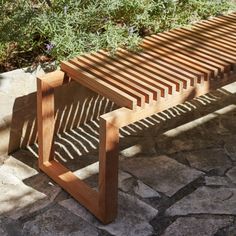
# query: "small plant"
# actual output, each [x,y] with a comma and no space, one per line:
[59,29]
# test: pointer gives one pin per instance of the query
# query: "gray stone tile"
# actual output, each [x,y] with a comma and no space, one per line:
[43,185]
[226,120]
[17,168]
[15,195]
[19,199]
[168,145]
[209,159]
[128,183]
[227,231]
[58,221]
[18,82]
[230,147]
[10,227]
[133,216]
[161,173]
[3,230]
[206,200]
[216,180]
[191,226]
[125,181]
[232,174]
[145,191]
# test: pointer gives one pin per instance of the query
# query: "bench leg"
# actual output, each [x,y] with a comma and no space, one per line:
[103,204]
[108,170]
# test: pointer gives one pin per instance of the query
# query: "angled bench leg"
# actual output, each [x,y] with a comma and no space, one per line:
[103,204]
[108,170]
[45,111]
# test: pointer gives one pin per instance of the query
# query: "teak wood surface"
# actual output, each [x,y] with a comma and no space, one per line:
[172,67]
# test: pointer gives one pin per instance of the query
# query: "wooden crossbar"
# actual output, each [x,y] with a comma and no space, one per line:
[170,68]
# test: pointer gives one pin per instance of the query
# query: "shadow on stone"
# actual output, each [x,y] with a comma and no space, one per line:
[77,126]
[77,129]
[74,106]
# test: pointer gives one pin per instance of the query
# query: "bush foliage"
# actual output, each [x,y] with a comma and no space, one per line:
[64,28]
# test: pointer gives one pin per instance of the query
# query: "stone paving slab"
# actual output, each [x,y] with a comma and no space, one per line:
[216,180]
[9,227]
[227,231]
[15,195]
[58,221]
[129,184]
[206,200]
[209,159]
[230,147]
[18,198]
[161,187]
[133,216]
[161,173]
[192,226]
[181,142]
[17,168]
[232,174]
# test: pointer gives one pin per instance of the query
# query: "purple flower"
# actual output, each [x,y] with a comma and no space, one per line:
[49,47]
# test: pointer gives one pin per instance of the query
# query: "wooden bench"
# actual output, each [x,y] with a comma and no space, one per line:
[172,67]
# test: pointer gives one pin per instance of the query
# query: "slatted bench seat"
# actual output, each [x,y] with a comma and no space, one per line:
[170,68]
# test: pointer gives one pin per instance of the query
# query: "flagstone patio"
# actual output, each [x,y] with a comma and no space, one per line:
[177,177]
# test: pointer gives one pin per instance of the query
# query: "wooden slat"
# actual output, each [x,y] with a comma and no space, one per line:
[219,28]
[100,69]
[163,69]
[151,43]
[216,45]
[147,71]
[122,69]
[228,17]
[207,45]
[193,51]
[203,28]
[174,66]
[101,87]
[185,38]
[145,75]
[163,74]
[230,22]
[219,37]
[232,14]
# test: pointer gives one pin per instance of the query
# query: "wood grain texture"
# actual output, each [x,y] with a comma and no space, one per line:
[45,119]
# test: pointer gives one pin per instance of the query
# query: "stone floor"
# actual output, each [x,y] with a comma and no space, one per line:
[177,177]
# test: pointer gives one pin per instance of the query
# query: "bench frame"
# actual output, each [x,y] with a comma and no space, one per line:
[102,203]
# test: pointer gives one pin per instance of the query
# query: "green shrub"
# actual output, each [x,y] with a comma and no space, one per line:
[72,27]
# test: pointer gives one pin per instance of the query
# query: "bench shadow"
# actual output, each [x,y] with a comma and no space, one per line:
[74,105]
[77,148]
